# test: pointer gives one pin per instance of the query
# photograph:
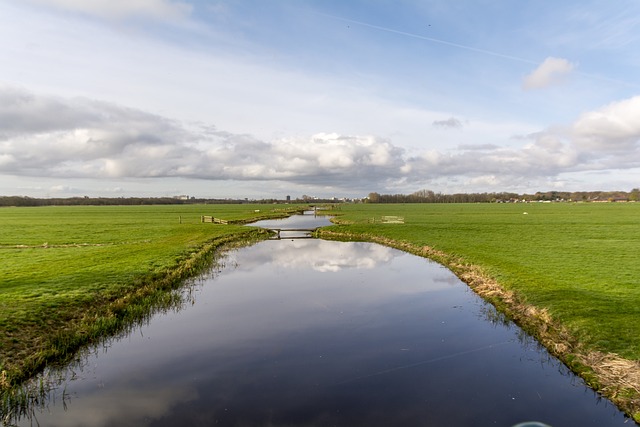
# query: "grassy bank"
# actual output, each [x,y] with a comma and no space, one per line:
[567,272]
[71,275]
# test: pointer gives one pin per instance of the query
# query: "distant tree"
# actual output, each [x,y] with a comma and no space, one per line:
[373,198]
[424,195]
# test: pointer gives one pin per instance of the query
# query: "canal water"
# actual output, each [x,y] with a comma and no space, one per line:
[293,226]
[318,333]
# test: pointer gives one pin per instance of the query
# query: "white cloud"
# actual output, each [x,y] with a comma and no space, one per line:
[104,141]
[451,122]
[552,71]
[120,9]
[613,128]
[305,102]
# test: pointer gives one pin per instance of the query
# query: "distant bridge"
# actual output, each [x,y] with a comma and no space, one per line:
[276,232]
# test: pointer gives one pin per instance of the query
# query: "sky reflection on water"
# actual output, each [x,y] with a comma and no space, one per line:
[311,332]
[307,220]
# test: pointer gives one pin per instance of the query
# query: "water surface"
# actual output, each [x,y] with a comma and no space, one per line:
[319,333]
[309,221]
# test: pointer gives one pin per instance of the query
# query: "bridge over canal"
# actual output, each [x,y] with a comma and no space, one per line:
[291,233]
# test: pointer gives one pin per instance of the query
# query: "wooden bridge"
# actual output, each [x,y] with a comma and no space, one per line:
[308,233]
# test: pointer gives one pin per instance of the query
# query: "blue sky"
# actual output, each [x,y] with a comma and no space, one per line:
[265,99]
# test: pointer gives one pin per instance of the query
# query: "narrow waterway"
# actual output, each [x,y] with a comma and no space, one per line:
[318,333]
[293,226]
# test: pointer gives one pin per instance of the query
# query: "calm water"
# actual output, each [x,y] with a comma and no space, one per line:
[311,332]
[308,220]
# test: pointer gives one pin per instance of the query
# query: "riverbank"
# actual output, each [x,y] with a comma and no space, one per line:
[567,274]
[117,314]
[509,285]
[99,271]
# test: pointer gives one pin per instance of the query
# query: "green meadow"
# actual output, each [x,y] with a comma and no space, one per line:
[577,260]
[72,274]
[568,273]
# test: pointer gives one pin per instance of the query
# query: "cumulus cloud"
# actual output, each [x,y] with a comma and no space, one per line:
[532,160]
[44,136]
[478,147]
[613,128]
[451,122]
[120,9]
[552,71]
[81,138]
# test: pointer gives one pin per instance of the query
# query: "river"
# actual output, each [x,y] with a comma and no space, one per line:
[306,332]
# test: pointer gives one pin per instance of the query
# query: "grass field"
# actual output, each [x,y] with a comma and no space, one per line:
[62,268]
[567,272]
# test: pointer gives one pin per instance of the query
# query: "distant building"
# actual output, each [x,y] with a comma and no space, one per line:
[288,198]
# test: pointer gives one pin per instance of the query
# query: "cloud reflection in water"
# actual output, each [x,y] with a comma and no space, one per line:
[311,332]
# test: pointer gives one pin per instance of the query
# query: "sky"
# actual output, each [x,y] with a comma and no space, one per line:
[325,98]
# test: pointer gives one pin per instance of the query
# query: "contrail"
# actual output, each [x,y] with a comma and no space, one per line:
[473,49]
[434,40]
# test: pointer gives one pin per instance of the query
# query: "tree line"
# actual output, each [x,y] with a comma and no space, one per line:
[108,201]
[422,196]
[6,201]
[428,196]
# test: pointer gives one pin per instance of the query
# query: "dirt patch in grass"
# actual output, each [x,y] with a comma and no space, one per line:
[612,376]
